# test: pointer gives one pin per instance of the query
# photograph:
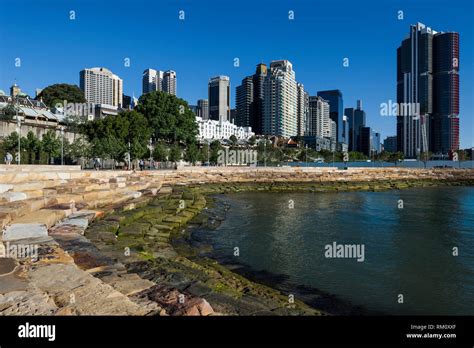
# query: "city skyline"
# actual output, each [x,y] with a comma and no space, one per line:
[369,76]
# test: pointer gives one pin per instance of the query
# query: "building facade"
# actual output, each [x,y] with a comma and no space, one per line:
[334,98]
[101,86]
[219,98]
[203,109]
[356,118]
[280,100]
[390,144]
[218,130]
[157,80]
[428,82]
[169,82]
[302,110]
[244,102]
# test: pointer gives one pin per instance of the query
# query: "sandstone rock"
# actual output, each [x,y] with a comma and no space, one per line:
[13,196]
[23,231]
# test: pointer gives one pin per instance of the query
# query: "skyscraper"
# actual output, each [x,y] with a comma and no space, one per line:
[318,122]
[169,82]
[152,80]
[249,98]
[445,123]
[356,120]
[203,109]
[390,144]
[302,110]
[280,101]
[256,121]
[219,98]
[156,80]
[101,86]
[428,83]
[334,97]
[244,102]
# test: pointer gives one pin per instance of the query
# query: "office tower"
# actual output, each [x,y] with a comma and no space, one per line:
[334,97]
[377,144]
[152,80]
[445,121]
[169,82]
[244,95]
[356,120]
[333,130]
[156,80]
[101,86]
[233,115]
[390,144]
[302,110]
[126,102]
[366,141]
[256,120]
[280,100]
[219,98]
[428,92]
[249,98]
[318,122]
[203,109]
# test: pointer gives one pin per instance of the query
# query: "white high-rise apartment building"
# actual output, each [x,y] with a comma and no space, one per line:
[319,122]
[101,86]
[157,80]
[303,109]
[281,100]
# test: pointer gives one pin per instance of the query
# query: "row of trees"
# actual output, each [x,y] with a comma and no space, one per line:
[43,151]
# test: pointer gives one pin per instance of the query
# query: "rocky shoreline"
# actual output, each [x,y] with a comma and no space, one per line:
[118,243]
[159,234]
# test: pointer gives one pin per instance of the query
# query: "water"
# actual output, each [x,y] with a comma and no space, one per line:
[408,251]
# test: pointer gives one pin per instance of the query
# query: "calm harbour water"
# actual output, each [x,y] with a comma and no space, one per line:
[408,251]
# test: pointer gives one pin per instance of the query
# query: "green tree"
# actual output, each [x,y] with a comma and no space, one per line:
[58,93]
[32,146]
[79,148]
[175,153]
[252,140]
[51,145]
[10,143]
[395,157]
[215,148]
[110,136]
[169,117]
[192,153]
[160,152]
[233,140]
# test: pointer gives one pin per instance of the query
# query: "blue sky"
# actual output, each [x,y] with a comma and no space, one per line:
[53,48]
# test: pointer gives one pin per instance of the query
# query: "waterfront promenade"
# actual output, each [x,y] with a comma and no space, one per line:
[49,267]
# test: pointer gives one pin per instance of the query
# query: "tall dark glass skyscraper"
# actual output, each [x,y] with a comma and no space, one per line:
[356,120]
[250,100]
[334,97]
[428,92]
